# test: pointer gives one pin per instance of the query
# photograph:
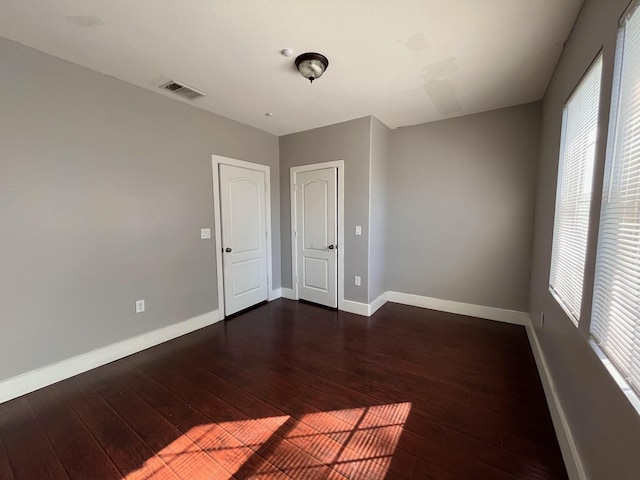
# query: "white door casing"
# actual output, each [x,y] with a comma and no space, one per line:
[242,225]
[316,235]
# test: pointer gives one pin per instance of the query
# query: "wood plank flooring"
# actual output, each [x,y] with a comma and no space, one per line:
[290,390]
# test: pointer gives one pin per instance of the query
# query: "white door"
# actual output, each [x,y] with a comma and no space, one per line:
[244,237]
[316,236]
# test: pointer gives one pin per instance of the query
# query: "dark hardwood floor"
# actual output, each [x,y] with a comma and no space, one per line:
[290,390]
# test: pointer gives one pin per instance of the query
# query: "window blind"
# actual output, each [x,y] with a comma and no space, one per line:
[573,195]
[615,323]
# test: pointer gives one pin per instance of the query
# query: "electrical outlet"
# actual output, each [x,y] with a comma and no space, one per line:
[139,306]
[358,230]
[358,280]
[205,233]
[541,319]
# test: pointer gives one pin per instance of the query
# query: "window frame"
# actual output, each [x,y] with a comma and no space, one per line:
[611,164]
[562,157]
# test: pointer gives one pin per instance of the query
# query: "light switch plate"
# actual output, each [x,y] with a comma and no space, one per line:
[139,306]
[358,280]
[358,230]
[205,233]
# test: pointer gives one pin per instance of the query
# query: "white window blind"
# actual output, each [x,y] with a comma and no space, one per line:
[615,323]
[573,195]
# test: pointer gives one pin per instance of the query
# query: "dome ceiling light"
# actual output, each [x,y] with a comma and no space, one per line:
[311,65]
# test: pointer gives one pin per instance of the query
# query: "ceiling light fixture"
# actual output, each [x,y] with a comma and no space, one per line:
[311,65]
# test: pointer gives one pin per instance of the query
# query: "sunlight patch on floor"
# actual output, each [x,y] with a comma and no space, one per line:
[356,443]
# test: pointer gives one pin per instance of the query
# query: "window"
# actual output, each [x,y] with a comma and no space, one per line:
[615,323]
[573,196]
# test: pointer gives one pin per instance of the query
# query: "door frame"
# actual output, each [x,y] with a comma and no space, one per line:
[339,164]
[217,160]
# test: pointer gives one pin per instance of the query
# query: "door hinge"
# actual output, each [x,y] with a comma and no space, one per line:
[295,234]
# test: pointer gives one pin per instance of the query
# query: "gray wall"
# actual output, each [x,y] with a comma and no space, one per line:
[605,426]
[380,139]
[348,141]
[103,190]
[461,202]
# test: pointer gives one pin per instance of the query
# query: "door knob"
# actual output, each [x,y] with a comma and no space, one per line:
[228,250]
[331,247]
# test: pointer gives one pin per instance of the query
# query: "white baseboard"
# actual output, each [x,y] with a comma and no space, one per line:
[570,455]
[275,294]
[288,293]
[354,307]
[480,311]
[378,302]
[34,380]
[365,309]
[344,305]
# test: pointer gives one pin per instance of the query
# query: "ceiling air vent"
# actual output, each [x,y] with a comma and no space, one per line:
[182,90]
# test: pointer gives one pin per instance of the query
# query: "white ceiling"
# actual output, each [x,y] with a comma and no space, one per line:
[404,61]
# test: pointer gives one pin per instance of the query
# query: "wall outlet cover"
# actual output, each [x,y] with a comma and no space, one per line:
[358,280]
[139,306]
[205,233]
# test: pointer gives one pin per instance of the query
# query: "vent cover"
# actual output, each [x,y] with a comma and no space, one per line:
[182,90]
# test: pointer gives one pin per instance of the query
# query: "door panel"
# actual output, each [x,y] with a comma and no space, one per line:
[314,201]
[316,273]
[243,218]
[316,236]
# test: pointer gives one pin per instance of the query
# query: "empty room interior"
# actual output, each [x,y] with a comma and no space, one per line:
[246,239]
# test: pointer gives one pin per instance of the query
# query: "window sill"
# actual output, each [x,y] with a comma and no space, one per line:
[629,392]
[557,298]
